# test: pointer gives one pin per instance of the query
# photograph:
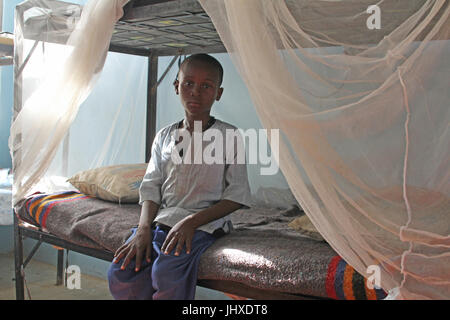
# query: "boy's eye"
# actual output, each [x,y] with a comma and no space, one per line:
[203,86]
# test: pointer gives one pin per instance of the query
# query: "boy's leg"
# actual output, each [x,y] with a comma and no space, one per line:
[175,277]
[128,284]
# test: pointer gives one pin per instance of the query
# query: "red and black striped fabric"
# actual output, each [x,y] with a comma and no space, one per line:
[40,206]
[344,283]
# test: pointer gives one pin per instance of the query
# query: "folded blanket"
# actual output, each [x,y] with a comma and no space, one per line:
[81,219]
[276,261]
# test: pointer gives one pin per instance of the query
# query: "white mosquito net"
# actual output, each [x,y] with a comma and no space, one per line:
[359,91]
[58,63]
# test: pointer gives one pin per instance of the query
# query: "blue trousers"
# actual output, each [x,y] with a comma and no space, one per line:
[166,277]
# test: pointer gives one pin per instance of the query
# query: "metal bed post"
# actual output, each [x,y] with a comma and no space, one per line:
[60,267]
[18,237]
[151,103]
[18,261]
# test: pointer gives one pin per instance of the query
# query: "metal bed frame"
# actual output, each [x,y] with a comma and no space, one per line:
[148,28]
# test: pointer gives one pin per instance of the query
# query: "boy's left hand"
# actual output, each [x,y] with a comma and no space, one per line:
[181,234]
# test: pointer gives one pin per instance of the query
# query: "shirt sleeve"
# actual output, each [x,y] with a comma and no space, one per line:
[150,188]
[237,188]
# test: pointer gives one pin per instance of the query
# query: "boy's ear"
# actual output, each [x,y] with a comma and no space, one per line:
[175,84]
[219,94]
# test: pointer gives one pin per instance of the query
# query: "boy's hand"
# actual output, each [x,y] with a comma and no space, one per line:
[181,234]
[140,244]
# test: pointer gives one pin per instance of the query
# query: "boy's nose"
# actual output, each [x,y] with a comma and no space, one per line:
[195,91]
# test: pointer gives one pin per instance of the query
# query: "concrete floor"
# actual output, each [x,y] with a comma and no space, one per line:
[41,278]
[41,281]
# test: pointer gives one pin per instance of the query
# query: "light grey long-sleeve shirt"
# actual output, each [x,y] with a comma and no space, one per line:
[182,187]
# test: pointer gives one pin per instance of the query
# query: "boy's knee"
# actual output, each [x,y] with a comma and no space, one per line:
[116,275]
[166,270]
[129,284]
[113,269]
[160,273]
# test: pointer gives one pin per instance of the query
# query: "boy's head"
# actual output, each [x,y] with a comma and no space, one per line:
[205,59]
[199,83]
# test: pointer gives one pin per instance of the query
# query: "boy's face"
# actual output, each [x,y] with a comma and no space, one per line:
[198,87]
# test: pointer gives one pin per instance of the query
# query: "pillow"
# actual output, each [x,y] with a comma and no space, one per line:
[304,226]
[118,183]
[272,197]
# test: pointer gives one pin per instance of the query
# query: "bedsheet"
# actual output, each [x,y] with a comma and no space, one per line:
[262,251]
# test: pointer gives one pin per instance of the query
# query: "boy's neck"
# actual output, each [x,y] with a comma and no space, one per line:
[188,122]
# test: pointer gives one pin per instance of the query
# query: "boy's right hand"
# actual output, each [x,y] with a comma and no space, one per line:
[139,245]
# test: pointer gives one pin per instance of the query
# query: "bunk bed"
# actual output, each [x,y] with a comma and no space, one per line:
[252,262]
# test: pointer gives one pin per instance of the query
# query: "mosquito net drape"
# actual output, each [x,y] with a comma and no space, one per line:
[362,112]
[46,101]
[364,118]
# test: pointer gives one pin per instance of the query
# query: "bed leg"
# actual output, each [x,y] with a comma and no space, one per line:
[18,261]
[60,267]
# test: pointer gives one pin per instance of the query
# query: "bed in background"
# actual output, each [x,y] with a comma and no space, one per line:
[5,197]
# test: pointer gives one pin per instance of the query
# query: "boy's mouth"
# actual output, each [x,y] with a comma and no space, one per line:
[193,104]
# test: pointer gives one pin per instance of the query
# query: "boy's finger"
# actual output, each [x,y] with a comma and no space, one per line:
[138,260]
[188,245]
[127,259]
[169,239]
[179,247]
[120,253]
[166,241]
[119,250]
[148,253]
[163,247]
[171,245]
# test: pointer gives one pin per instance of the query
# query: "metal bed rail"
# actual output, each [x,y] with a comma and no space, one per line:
[21,232]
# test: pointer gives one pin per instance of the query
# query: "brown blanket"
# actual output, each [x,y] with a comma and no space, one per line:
[262,251]
[95,223]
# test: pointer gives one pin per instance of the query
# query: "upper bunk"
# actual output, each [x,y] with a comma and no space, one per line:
[148,27]
[174,27]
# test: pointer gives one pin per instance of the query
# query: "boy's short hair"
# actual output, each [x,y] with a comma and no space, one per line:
[205,58]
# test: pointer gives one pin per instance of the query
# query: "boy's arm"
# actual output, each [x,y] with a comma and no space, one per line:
[217,211]
[140,246]
[148,213]
[183,232]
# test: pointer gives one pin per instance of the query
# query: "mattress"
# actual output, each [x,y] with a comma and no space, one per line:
[261,252]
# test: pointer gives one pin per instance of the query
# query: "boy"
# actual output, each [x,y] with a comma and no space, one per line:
[184,204]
